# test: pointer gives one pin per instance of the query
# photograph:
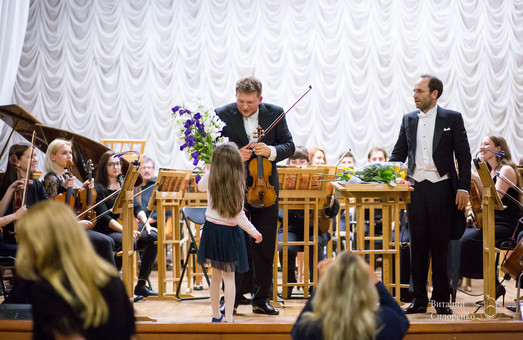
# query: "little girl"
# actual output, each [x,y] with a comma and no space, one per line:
[222,244]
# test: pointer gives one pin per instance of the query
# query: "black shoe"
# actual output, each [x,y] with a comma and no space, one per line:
[415,309]
[222,307]
[144,291]
[265,309]
[198,287]
[500,291]
[512,308]
[443,310]
[244,301]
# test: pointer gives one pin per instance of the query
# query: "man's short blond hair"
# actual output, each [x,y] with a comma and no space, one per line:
[249,85]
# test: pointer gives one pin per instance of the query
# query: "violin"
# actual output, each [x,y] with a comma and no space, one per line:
[260,194]
[475,204]
[69,196]
[87,196]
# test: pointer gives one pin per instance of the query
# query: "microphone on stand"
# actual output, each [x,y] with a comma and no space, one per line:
[476,159]
[135,162]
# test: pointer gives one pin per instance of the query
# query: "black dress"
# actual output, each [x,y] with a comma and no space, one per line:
[505,221]
[51,313]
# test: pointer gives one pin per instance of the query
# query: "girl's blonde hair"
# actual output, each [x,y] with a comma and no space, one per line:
[227,180]
[52,149]
[345,302]
[52,246]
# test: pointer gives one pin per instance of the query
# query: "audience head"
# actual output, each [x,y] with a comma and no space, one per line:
[248,95]
[300,156]
[377,154]
[227,180]
[347,160]
[147,170]
[317,156]
[52,246]
[346,300]
[58,154]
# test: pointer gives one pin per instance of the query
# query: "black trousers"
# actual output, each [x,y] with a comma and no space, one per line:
[430,221]
[102,244]
[262,254]
[145,242]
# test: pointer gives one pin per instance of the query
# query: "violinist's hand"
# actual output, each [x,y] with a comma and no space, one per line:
[87,225]
[69,182]
[136,235]
[258,237]
[20,212]
[148,228]
[462,199]
[261,149]
[88,184]
[17,185]
[246,152]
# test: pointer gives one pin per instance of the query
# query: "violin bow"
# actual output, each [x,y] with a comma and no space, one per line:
[28,168]
[283,115]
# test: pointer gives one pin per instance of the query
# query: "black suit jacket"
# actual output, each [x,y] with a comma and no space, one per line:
[450,141]
[279,137]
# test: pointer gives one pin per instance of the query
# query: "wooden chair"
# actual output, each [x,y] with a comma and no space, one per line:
[122,145]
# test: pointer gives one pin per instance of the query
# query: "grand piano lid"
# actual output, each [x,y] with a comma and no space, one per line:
[83,148]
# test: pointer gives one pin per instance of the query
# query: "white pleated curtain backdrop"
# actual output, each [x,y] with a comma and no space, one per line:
[114,69]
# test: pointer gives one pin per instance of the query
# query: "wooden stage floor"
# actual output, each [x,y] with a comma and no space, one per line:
[190,319]
[191,311]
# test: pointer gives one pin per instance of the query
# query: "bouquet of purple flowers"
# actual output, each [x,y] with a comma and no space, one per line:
[198,130]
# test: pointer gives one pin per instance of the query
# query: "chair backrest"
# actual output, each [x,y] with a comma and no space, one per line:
[194,214]
[121,145]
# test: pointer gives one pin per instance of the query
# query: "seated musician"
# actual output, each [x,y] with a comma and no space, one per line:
[495,152]
[7,249]
[21,161]
[56,182]
[347,160]
[147,171]
[108,180]
[296,229]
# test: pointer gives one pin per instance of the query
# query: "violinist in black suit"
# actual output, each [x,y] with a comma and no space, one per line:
[241,119]
[431,138]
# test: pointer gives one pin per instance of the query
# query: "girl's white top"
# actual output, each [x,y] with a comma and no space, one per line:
[213,216]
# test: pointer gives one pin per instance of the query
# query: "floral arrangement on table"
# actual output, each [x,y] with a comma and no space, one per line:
[389,172]
[198,130]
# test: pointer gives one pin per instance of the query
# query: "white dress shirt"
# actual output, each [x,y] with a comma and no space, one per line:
[250,124]
[425,169]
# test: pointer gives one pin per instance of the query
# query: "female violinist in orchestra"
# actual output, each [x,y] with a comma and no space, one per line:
[10,249]
[495,152]
[58,158]
[296,223]
[21,162]
[107,181]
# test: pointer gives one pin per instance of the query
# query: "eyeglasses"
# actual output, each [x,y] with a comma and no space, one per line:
[147,167]
[114,165]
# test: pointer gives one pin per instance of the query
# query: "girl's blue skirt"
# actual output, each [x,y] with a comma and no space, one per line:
[223,247]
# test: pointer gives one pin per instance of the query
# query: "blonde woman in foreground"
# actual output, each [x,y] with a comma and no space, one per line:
[74,293]
[350,303]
